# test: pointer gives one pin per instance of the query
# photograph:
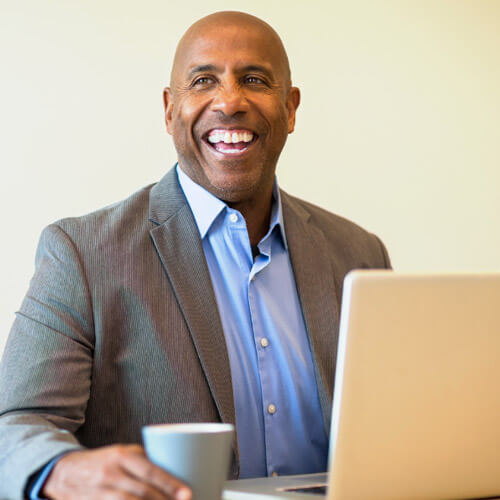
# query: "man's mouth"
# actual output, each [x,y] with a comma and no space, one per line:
[230,141]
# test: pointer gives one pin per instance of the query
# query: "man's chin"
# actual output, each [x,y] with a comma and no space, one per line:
[232,181]
[231,192]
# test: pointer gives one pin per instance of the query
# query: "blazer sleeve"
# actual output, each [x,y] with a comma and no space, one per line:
[45,374]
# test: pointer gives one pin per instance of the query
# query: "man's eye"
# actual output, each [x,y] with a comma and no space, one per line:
[203,80]
[254,80]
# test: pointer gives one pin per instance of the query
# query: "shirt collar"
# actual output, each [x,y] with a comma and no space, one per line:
[206,207]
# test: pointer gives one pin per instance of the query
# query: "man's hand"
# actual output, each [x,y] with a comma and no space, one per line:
[112,472]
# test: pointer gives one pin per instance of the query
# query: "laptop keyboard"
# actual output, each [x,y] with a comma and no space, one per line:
[317,489]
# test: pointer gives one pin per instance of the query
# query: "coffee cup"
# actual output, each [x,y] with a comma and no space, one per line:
[198,454]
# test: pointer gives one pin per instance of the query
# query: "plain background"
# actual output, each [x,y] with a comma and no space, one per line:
[398,128]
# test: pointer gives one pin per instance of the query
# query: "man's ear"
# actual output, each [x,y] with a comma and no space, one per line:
[168,105]
[292,103]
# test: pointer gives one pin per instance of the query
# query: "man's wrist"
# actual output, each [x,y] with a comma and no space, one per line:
[38,480]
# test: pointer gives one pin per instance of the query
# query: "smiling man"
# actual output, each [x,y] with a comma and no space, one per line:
[210,296]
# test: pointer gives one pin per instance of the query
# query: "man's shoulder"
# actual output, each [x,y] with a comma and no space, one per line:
[325,220]
[123,215]
[347,241]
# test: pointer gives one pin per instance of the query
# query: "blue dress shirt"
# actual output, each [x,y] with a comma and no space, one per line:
[278,415]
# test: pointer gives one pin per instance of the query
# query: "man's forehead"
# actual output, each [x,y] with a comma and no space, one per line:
[238,55]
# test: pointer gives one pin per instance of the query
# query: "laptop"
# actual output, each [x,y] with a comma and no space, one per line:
[416,406]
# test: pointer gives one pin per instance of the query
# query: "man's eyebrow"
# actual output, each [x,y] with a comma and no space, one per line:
[202,68]
[258,69]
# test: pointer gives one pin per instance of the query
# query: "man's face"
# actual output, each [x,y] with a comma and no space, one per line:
[230,109]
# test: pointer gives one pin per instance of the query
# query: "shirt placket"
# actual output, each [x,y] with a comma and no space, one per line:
[264,351]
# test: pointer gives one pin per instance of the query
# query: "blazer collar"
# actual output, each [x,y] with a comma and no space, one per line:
[166,198]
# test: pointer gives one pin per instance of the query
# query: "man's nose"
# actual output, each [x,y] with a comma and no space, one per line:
[230,99]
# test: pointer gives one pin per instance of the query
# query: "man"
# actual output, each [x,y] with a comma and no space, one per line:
[210,296]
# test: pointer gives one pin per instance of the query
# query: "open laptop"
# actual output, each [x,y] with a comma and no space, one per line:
[416,408]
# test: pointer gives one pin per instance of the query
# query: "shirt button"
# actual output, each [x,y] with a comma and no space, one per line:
[271,409]
[264,342]
[233,218]
[274,474]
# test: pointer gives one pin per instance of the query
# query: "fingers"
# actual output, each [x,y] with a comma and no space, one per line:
[128,487]
[119,472]
[134,461]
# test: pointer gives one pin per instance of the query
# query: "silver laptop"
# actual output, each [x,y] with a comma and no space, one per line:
[416,409]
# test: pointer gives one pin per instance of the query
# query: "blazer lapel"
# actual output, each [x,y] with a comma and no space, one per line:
[179,247]
[316,287]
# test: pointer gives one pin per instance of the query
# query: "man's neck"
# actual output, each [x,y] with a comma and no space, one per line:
[257,217]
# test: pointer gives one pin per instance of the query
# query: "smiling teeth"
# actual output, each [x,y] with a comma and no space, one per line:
[229,137]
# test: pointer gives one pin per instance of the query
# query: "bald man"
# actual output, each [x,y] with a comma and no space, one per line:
[210,296]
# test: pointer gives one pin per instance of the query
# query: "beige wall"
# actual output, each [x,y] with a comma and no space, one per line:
[398,130]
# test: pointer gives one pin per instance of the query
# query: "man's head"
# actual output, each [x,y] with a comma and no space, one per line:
[230,105]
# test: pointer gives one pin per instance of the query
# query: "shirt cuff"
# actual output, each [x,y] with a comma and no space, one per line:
[38,479]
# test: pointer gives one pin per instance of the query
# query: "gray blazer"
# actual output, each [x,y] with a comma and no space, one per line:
[120,326]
